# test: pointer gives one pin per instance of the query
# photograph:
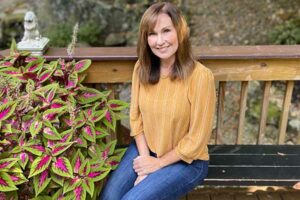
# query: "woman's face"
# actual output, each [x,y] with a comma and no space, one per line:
[163,39]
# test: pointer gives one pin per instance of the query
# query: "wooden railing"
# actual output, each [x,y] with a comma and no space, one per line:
[242,64]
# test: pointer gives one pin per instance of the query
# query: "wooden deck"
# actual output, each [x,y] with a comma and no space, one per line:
[257,193]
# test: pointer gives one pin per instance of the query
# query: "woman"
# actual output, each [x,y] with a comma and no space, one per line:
[171,115]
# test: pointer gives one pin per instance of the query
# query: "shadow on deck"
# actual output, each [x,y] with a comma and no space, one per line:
[247,193]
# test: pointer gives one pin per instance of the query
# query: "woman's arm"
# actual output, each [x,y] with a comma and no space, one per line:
[143,149]
[141,144]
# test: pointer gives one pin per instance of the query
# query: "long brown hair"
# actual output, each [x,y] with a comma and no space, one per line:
[149,72]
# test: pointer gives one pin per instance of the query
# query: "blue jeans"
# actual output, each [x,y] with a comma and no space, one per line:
[170,182]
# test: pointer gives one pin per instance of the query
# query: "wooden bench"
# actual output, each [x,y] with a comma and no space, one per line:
[238,163]
[260,165]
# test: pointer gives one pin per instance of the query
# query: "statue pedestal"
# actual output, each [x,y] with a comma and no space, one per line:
[36,47]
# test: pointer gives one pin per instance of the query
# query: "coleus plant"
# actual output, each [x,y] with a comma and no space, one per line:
[53,130]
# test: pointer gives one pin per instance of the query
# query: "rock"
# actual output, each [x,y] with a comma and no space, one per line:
[115,39]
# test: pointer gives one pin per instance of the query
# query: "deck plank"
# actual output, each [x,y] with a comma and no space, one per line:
[246,196]
[290,195]
[197,196]
[222,196]
[269,196]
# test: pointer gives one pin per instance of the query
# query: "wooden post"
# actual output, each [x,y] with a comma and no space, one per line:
[285,111]
[264,112]
[243,108]
[221,98]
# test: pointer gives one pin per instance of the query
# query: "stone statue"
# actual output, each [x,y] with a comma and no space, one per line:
[32,40]
[31,27]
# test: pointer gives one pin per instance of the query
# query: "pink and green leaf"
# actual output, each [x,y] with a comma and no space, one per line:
[62,167]
[10,71]
[66,135]
[35,127]
[60,148]
[72,81]
[96,163]
[15,169]
[34,65]
[7,163]
[57,103]
[46,89]
[79,122]
[79,193]
[98,173]
[6,184]
[51,114]
[18,178]
[81,142]
[110,120]
[81,77]
[85,168]
[31,59]
[59,195]
[82,65]
[117,105]
[88,95]
[58,179]
[113,162]
[7,109]
[88,132]
[89,186]
[26,125]
[51,94]
[23,160]
[100,132]
[97,115]
[77,161]
[95,151]
[35,149]
[51,133]
[40,182]
[39,165]
[44,76]
[58,72]
[71,184]
[52,65]
[109,149]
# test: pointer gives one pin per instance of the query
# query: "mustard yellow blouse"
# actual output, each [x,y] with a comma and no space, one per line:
[175,114]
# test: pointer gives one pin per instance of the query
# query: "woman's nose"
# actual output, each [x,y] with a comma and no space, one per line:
[160,40]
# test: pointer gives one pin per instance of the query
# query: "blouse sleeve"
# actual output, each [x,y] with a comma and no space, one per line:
[202,97]
[136,122]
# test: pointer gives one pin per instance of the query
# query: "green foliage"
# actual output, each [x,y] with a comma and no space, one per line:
[90,33]
[286,33]
[52,129]
[60,34]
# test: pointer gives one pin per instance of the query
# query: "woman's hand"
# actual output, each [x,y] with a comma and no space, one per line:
[139,179]
[144,165]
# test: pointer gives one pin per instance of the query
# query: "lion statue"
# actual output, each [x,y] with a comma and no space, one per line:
[31,27]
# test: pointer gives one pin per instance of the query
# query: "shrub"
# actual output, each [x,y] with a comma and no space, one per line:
[286,33]
[52,130]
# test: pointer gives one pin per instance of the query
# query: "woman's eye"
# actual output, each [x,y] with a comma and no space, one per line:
[149,34]
[167,30]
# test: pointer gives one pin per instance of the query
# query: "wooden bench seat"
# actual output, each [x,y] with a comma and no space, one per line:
[245,165]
